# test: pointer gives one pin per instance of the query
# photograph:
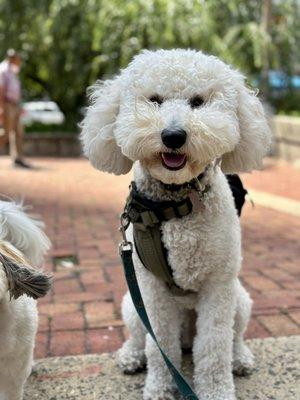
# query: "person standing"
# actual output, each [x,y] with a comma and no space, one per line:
[10,110]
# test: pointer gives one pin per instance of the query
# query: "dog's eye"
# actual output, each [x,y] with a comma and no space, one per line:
[156,99]
[196,101]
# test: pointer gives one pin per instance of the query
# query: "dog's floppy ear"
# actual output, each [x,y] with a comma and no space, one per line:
[97,134]
[255,135]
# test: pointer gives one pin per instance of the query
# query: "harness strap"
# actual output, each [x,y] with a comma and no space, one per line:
[149,212]
[126,256]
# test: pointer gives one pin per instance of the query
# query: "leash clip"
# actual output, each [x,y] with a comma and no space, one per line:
[124,244]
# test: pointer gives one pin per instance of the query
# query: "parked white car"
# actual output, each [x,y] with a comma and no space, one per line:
[43,112]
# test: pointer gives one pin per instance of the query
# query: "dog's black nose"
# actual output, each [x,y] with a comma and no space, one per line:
[173,139]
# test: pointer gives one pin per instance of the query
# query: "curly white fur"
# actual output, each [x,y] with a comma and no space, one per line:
[23,232]
[123,127]
[18,318]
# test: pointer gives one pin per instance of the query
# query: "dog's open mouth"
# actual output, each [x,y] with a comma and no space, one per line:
[173,161]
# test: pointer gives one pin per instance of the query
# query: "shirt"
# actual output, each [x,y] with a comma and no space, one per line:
[10,83]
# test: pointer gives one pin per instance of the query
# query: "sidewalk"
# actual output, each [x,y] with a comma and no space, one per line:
[92,377]
[80,207]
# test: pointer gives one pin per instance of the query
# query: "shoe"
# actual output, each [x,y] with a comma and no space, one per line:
[21,164]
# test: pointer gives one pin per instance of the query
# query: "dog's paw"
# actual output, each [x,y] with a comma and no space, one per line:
[241,369]
[155,394]
[215,396]
[131,361]
[243,361]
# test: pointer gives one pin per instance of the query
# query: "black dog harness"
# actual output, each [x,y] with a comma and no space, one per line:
[147,216]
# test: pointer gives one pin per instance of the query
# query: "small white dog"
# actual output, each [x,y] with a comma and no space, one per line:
[177,114]
[20,237]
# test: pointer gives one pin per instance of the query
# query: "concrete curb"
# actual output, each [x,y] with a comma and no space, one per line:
[91,377]
[278,203]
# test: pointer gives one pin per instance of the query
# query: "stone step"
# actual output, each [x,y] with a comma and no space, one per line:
[96,377]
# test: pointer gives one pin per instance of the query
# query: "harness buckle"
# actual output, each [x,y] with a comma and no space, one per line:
[199,187]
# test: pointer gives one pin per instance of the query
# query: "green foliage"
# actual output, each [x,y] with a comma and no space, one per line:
[68,44]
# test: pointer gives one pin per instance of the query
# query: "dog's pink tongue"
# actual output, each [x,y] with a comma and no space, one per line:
[173,160]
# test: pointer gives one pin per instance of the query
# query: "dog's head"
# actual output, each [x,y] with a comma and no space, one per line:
[175,111]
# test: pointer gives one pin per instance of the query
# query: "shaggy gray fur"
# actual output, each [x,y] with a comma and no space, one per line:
[24,280]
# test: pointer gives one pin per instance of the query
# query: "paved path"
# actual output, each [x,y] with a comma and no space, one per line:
[80,207]
[91,377]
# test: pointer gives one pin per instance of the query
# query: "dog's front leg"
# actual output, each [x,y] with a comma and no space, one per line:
[166,319]
[212,349]
[14,392]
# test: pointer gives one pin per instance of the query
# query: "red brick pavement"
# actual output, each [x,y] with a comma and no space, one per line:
[80,207]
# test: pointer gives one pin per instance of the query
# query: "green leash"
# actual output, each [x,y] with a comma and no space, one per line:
[126,256]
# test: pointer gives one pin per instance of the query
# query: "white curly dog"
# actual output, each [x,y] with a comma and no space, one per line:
[209,114]
[20,236]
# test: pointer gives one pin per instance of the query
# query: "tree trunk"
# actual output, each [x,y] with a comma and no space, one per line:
[265,27]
